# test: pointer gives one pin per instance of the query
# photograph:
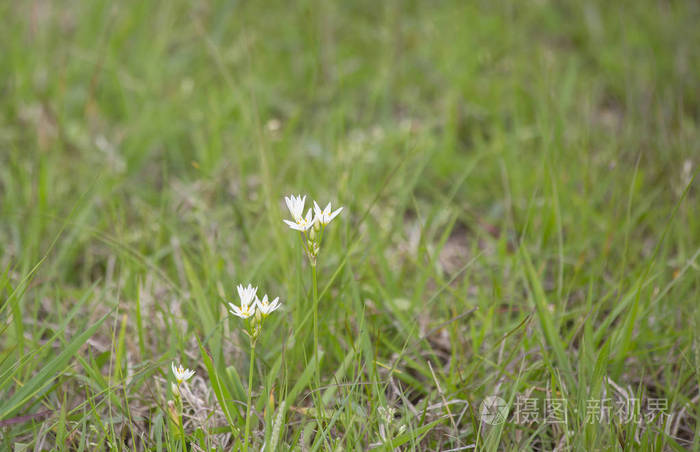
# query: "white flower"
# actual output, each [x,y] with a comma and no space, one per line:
[243,312]
[247,308]
[246,294]
[325,216]
[267,308]
[295,204]
[303,223]
[181,374]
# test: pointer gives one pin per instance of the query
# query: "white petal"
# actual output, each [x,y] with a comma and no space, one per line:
[291,224]
[335,214]
[290,205]
[238,312]
[296,226]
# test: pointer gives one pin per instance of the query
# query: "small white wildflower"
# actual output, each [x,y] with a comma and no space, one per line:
[295,204]
[246,294]
[325,216]
[266,307]
[243,312]
[247,308]
[181,374]
[303,223]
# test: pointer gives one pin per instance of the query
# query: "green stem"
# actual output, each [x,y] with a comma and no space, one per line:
[180,408]
[315,286]
[250,396]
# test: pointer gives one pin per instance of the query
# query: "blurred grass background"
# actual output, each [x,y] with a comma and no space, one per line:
[530,160]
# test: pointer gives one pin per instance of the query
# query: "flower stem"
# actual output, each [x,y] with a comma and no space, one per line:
[180,425]
[250,395]
[316,351]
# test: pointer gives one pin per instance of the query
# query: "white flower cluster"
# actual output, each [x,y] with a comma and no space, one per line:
[310,225]
[254,311]
[250,301]
[253,307]
[302,223]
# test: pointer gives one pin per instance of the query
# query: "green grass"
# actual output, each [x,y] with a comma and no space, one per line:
[520,220]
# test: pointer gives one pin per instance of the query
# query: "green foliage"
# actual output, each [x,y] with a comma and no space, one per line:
[520,220]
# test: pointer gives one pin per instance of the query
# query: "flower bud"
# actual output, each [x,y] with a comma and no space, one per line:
[172,412]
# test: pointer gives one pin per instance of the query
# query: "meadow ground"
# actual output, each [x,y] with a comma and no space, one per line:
[520,221]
